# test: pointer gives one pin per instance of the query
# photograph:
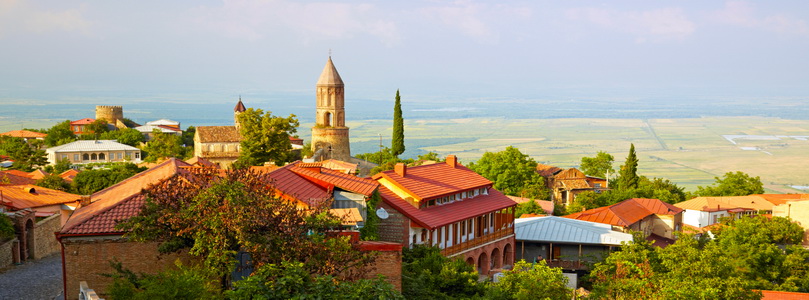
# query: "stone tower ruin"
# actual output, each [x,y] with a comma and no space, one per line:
[111,113]
[330,135]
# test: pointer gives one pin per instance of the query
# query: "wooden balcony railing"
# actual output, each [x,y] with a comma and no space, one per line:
[477,241]
[568,264]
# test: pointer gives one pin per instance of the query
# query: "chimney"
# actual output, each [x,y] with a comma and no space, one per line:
[85,200]
[452,161]
[401,169]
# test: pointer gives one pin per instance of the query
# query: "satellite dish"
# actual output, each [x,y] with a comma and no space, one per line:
[382,213]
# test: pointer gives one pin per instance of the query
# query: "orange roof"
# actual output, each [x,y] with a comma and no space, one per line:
[30,196]
[780,295]
[440,215]
[547,170]
[292,185]
[339,165]
[437,180]
[547,206]
[627,212]
[754,202]
[778,199]
[38,174]
[25,134]
[84,121]
[196,160]
[340,180]
[69,175]
[12,177]
[18,173]
[119,202]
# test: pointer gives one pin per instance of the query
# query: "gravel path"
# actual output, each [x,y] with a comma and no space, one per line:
[41,279]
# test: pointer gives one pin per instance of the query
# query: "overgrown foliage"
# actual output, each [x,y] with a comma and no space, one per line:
[182,283]
[528,281]
[732,184]
[164,145]
[512,173]
[59,134]
[530,207]
[397,141]
[53,181]
[26,155]
[128,136]
[91,181]
[426,274]
[370,230]
[265,137]
[599,165]
[6,227]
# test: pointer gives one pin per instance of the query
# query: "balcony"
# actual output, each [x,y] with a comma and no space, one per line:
[477,241]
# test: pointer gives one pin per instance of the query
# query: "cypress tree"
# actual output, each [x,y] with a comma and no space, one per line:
[629,171]
[397,143]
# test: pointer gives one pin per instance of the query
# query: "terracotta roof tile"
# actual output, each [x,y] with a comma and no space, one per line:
[432,181]
[440,215]
[196,160]
[292,185]
[780,295]
[84,121]
[29,196]
[11,177]
[38,174]
[25,134]
[340,180]
[547,170]
[627,212]
[120,201]
[69,175]
[213,134]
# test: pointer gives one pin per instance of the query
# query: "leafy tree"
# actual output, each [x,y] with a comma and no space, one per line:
[181,283]
[25,156]
[628,175]
[60,134]
[188,136]
[732,184]
[61,165]
[431,156]
[307,150]
[397,142]
[527,280]
[598,166]
[6,227]
[128,136]
[291,280]
[90,181]
[53,181]
[97,127]
[369,230]
[265,137]
[426,274]
[530,207]
[385,159]
[512,172]
[163,145]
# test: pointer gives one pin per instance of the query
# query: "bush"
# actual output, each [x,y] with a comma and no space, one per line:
[6,227]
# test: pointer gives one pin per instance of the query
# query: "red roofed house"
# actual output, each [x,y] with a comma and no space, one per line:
[43,201]
[652,217]
[26,134]
[565,184]
[449,206]
[79,126]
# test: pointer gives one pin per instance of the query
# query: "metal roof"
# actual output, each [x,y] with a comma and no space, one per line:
[562,230]
[92,145]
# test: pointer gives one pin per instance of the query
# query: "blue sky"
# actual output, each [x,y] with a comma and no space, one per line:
[523,49]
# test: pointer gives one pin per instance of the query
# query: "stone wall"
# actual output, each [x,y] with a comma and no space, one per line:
[395,228]
[45,242]
[7,250]
[336,137]
[86,258]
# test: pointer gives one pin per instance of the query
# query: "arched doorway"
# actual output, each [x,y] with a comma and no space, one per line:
[495,259]
[470,261]
[508,255]
[483,264]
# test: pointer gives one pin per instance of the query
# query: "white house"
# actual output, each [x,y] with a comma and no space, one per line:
[94,151]
[704,211]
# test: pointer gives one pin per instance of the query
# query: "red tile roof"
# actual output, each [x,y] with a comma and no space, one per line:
[11,177]
[84,121]
[30,196]
[779,295]
[69,175]
[196,160]
[291,185]
[340,180]
[547,206]
[437,180]
[627,212]
[38,174]
[755,202]
[119,202]
[440,215]
[25,134]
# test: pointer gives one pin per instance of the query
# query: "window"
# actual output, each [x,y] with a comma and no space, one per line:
[94,156]
[598,185]
[101,156]
[119,155]
[86,156]
[137,155]
[75,157]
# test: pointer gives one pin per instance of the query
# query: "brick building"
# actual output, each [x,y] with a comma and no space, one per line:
[449,206]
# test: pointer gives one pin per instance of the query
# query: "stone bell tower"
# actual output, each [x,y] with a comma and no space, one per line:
[330,135]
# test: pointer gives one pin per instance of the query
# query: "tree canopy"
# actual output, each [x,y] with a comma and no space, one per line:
[512,173]
[59,134]
[397,141]
[599,165]
[26,155]
[164,145]
[90,181]
[527,281]
[628,175]
[732,184]
[265,137]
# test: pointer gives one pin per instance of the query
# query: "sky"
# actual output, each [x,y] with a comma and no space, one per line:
[209,50]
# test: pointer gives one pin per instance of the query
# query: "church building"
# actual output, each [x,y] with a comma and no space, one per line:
[330,134]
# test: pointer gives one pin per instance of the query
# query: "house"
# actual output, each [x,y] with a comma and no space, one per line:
[165,123]
[15,177]
[704,211]
[217,144]
[449,206]
[566,243]
[148,130]
[654,218]
[94,151]
[565,184]
[69,175]
[26,134]
[798,211]
[79,127]
[43,201]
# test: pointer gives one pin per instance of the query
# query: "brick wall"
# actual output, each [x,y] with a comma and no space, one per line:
[86,258]
[395,227]
[7,253]
[388,262]
[45,242]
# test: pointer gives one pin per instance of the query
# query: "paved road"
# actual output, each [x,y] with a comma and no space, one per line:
[41,279]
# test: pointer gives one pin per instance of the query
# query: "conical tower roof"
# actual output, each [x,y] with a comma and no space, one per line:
[330,75]
[239,106]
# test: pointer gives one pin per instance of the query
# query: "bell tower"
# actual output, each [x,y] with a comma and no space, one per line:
[330,135]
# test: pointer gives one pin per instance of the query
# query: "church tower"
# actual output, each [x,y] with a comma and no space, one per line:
[236,111]
[330,135]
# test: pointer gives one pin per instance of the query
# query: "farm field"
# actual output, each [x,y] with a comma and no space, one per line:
[689,152]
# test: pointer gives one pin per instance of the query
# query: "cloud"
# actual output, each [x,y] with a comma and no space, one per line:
[474,19]
[256,20]
[656,25]
[743,14]
[20,17]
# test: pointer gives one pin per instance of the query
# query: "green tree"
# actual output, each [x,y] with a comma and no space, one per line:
[25,156]
[163,145]
[397,142]
[512,173]
[61,165]
[530,207]
[90,181]
[181,283]
[128,136]
[265,137]
[188,136]
[53,181]
[732,184]
[60,134]
[6,227]
[598,166]
[369,230]
[527,281]
[628,175]
[426,274]
[97,128]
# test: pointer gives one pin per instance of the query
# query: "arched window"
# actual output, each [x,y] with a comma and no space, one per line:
[327,119]
[94,157]
[85,156]
[101,156]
